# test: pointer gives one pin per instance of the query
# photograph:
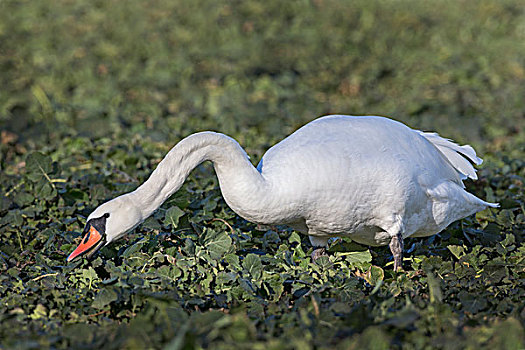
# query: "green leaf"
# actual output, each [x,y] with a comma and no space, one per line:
[88,276]
[495,271]
[133,248]
[43,189]
[39,166]
[217,243]
[434,288]
[375,275]
[252,263]
[104,297]
[13,218]
[226,277]
[172,272]
[358,257]
[172,216]
[75,195]
[324,262]
[233,261]
[457,251]
[189,246]
[277,285]
[151,223]
[472,303]
[294,237]
[39,312]
[23,198]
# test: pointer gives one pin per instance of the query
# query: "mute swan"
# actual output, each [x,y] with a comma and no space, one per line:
[372,179]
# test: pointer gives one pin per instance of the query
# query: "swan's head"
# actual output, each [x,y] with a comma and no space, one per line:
[107,223]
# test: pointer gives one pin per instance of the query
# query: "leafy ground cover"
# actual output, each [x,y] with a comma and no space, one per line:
[95,93]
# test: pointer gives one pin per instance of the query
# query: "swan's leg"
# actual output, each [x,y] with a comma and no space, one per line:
[319,244]
[318,252]
[396,230]
[396,247]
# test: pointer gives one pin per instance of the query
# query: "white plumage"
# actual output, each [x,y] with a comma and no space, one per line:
[372,179]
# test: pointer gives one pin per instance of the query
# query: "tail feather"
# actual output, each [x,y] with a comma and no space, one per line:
[457,155]
[450,202]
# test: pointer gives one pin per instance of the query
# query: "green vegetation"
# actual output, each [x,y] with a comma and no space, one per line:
[95,93]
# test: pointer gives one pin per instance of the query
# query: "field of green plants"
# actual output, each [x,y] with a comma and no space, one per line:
[94,93]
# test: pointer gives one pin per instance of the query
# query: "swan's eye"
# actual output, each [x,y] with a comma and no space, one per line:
[106,215]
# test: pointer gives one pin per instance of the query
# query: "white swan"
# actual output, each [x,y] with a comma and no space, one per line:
[372,179]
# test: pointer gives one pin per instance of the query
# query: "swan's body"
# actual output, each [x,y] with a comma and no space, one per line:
[370,178]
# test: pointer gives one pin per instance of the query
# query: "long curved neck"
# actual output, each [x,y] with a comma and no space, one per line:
[241,184]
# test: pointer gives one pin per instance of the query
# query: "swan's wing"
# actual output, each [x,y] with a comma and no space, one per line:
[457,155]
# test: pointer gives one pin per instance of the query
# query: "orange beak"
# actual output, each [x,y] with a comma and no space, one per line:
[89,243]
